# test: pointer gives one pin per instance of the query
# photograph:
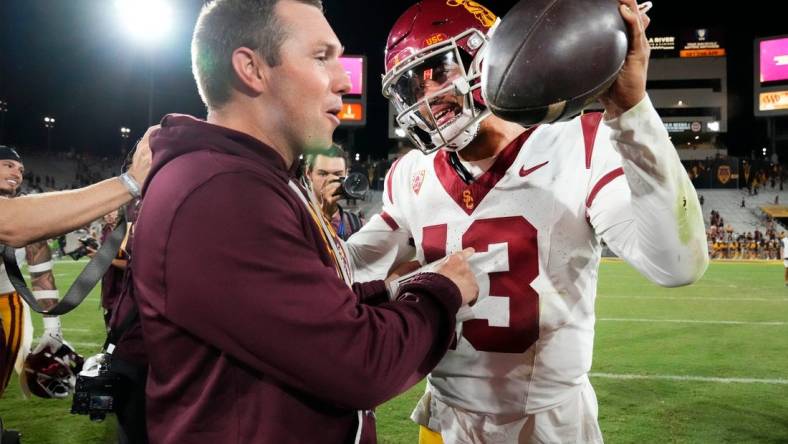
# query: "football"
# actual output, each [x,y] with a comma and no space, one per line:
[549,59]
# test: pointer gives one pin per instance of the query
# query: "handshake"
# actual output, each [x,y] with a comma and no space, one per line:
[456,267]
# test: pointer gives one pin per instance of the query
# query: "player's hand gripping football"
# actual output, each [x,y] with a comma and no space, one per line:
[630,86]
[457,269]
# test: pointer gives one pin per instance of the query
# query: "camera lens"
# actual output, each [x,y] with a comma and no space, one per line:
[355,186]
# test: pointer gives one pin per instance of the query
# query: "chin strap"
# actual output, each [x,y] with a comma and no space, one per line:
[454,161]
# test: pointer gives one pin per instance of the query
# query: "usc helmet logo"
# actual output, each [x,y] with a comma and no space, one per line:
[435,38]
[482,14]
[467,199]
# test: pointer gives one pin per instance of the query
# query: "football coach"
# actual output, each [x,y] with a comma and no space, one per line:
[254,330]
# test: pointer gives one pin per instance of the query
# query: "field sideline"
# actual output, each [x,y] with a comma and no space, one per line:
[701,364]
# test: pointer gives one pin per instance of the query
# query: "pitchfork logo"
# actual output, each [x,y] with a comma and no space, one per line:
[771,98]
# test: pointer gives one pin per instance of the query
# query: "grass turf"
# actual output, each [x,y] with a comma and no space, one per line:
[642,329]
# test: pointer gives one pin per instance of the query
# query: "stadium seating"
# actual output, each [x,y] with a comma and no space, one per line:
[728,204]
[64,170]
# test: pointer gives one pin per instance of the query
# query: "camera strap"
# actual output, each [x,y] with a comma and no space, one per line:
[87,279]
[115,333]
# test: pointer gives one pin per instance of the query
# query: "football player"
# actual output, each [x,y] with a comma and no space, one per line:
[784,245]
[49,372]
[30,218]
[535,204]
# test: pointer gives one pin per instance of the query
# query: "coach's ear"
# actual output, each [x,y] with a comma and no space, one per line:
[249,70]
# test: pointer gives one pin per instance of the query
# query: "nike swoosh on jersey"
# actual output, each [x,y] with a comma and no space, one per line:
[524,172]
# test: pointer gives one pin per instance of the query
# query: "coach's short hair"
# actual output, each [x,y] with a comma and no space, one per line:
[226,25]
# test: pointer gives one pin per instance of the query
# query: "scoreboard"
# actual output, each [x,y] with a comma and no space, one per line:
[354,104]
[771,76]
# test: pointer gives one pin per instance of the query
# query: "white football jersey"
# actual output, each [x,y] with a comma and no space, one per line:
[535,219]
[5,283]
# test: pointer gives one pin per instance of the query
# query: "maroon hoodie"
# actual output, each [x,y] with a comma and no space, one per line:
[251,336]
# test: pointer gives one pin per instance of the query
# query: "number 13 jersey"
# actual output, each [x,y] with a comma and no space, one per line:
[535,219]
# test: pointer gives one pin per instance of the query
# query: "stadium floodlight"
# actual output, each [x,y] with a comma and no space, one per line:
[3,111]
[49,123]
[124,132]
[146,20]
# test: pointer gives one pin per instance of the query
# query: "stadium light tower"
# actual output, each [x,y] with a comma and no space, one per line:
[148,22]
[124,138]
[49,123]
[3,110]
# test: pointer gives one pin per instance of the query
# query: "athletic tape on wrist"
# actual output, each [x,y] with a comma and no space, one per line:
[40,268]
[52,323]
[46,294]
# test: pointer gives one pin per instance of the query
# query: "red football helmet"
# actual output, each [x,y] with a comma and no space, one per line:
[433,71]
[51,374]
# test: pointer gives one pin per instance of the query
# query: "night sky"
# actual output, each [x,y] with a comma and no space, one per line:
[71,60]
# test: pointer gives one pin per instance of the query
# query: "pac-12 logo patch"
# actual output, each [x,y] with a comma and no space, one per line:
[418,181]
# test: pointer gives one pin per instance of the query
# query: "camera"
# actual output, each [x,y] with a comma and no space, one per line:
[78,244]
[94,394]
[353,186]
[82,250]
[8,436]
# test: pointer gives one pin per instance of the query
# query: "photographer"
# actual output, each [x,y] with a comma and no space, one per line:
[326,170]
[29,218]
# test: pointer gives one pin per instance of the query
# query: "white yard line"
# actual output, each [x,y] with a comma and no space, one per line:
[85,344]
[77,330]
[779,381]
[692,321]
[696,298]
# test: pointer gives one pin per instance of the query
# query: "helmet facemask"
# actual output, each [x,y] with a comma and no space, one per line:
[434,91]
[51,374]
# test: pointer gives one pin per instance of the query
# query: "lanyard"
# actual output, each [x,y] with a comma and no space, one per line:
[337,249]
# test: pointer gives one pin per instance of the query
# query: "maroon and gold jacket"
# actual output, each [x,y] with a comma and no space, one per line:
[251,336]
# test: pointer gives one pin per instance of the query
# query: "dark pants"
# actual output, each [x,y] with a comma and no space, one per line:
[130,403]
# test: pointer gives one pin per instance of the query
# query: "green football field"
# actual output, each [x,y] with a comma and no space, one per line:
[701,364]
